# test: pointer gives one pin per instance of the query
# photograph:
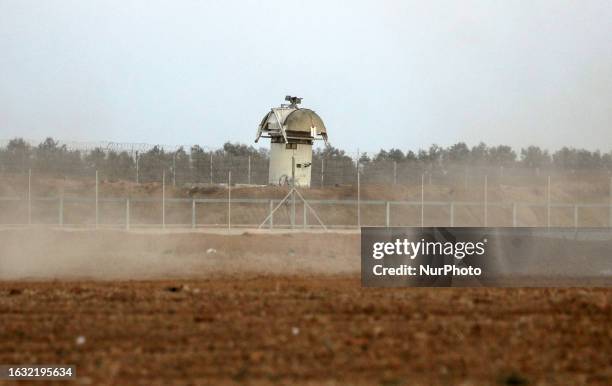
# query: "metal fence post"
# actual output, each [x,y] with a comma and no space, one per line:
[452,214]
[610,205]
[127,214]
[174,169]
[486,203]
[229,200]
[211,167]
[60,219]
[293,192]
[322,172]
[137,169]
[387,213]
[514,223]
[271,214]
[97,208]
[548,203]
[358,198]
[575,216]
[29,196]
[249,171]
[163,199]
[422,200]
[193,213]
[394,173]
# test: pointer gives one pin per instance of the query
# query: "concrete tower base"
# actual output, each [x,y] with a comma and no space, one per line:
[280,163]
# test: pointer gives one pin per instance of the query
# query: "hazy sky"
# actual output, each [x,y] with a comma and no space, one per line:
[380,73]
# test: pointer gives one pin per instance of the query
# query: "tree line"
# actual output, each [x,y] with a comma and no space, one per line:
[566,158]
[53,158]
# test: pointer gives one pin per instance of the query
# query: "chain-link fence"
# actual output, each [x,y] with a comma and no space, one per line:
[213,167]
[155,186]
[468,198]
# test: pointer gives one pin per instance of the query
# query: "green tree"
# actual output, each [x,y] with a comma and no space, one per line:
[502,155]
[534,157]
[458,153]
[17,155]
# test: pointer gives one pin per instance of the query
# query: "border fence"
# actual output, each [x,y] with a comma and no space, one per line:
[193,208]
[108,210]
[213,168]
[346,191]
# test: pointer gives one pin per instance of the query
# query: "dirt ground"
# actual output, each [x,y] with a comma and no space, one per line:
[146,308]
[307,330]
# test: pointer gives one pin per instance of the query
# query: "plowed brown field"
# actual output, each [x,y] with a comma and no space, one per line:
[285,309]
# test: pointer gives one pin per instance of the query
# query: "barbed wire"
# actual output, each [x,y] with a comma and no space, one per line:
[107,146]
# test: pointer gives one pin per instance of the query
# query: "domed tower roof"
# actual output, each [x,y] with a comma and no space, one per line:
[292,122]
[303,120]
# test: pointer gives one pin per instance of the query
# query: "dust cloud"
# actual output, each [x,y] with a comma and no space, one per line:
[50,254]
